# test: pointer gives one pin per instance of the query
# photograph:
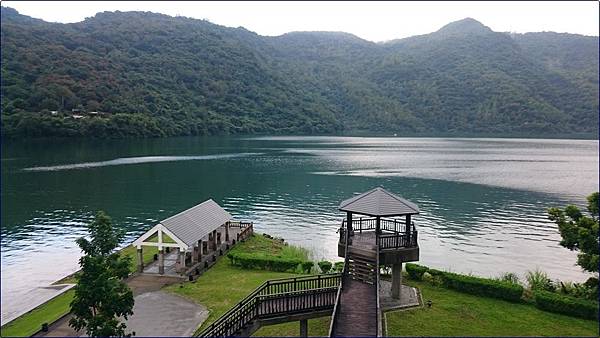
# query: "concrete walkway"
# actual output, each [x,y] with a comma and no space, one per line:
[141,285]
[162,314]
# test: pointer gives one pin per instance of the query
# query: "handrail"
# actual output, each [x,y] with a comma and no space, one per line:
[379,324]
[246,310]
[364,224]
[338,297]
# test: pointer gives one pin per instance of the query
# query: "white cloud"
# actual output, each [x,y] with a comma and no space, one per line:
[376,21]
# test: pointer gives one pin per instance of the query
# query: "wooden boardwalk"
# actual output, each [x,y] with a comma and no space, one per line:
[358,310]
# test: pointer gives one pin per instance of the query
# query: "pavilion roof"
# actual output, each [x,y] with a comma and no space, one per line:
[379,202]
[196,222]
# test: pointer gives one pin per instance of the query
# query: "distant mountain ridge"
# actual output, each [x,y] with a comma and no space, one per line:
[150,74]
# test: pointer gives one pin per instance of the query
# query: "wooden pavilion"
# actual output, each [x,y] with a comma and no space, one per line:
[387,228]
[193,232]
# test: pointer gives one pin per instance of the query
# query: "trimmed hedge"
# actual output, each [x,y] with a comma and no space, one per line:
[553,302]
[416,271]
[251,261]
[325,266]
[483,286]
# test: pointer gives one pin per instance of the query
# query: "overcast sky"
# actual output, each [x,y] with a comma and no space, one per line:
[375,21]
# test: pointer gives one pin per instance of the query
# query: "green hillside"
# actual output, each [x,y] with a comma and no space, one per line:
[154,75]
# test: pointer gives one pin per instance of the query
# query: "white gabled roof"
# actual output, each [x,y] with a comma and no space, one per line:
[196,222]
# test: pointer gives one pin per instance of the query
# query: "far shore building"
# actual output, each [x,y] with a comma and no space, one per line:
[185,238]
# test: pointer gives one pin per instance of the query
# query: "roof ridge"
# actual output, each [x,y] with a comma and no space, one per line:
[364,194]
[181,212]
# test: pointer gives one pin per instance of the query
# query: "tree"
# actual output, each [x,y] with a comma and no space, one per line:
[579,232]
[101,295]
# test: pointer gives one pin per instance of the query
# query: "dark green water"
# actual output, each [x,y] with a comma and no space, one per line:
[483,201]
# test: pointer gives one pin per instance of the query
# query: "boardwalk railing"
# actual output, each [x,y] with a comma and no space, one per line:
[336,308]
[377,267]
[278,297]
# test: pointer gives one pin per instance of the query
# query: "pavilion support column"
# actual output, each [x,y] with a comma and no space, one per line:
[205,247]
[161,261]
[182,260]
[349,223]
[227,232]
[218,238]
[199,250]
[396,280]
[214,240]
[304,328]
[377,225]
[140,259]
[195,254]
[408,221]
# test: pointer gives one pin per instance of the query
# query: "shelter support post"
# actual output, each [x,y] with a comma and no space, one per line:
[161,261]
[396,280]
[304,328]
[408,225]
[199,250]
[195,250]
[140,259]
[218,238]
[214,240]
[182,260]
[227,232]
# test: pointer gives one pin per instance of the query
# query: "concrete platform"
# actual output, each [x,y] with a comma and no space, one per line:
[409,297]
[162,314]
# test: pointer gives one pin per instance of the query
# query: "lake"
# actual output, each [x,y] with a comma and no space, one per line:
[483,201]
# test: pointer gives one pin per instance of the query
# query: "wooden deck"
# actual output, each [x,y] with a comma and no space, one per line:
[358,310]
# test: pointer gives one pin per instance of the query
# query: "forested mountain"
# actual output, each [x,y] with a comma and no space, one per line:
[122,74]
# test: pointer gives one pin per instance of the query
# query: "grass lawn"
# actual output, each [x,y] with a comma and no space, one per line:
[223,285]
[459,314]
[31,322]
[265,247]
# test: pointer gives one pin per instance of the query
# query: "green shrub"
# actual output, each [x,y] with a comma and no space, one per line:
[509,277]
[435,272]
[338,266]
[307,266]
[251,261]
[539,281]
[553,302]
[483,286]
[325,266]
[415,271]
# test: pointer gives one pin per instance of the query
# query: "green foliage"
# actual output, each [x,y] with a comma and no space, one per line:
[509,277]
[579,232]
[260,252]
[539,280]
[557,303]
[325,266]
[416,271]
[338,266]
[483,286]
[101,295]
[587,290]
[253,261]
[156,75]
[306,266]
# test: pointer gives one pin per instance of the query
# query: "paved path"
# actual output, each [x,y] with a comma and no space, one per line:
[162,314]
[139,284]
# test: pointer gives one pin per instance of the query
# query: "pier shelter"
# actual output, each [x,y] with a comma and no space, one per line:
[184,238]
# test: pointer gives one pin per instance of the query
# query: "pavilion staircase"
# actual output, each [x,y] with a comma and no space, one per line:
[361,266]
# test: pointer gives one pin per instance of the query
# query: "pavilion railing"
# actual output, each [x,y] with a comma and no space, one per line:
[364,224]
[278,297]
[247,229]
[393,232]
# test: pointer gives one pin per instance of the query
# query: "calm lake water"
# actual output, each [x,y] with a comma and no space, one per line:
[483,201]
